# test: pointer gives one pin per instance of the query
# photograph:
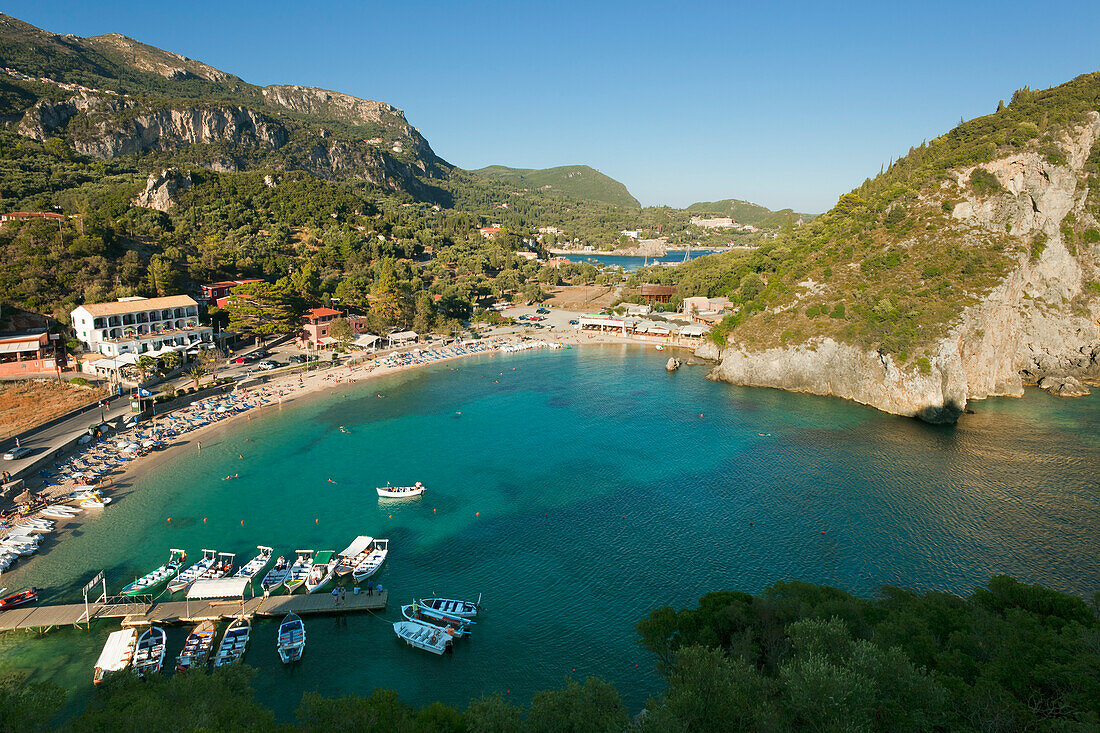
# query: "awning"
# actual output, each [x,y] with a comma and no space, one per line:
[359,544]
[115,655]
[692,331]
[218,588]
[366,339]
[107,363]
[13,346]
[404,336]
[326,340]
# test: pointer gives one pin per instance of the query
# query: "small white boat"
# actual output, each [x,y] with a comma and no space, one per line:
[256,565]
[292,638]
[191,574]
[400,492]
[37,525]
[369,565]
[117,654]
[322,571]
[149,655]
[95,501]
[423,636]
[299,571]
[154,579]
[60,511]
[234,643]
[197,647]
[354,554]
[452,607]
[277,575]
[451,625]
[220,568]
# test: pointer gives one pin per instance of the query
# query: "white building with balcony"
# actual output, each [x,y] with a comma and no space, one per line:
[141,325]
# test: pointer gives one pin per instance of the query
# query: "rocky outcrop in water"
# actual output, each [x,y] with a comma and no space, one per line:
[673,364]
[1041,325]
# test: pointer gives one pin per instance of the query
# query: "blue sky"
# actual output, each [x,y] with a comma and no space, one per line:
[785,104]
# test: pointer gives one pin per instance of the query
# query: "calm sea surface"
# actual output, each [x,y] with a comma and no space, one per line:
[605,488]
[630,263]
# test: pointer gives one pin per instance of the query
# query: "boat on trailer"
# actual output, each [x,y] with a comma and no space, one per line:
[299,571]
[117,654]
[322,571]
[197,648]
[400,492]
[277,575]
[453,607]
[452,625]
[369,565]
[149,655]
[256,565]
[234,643]
[191,574]
[422,636]
[292,638]
[155,579]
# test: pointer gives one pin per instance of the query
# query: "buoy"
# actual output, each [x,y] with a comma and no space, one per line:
[700,414]
[391,516]
[169,519]
[624,516]
[242,522]
[822,531]
[477,514]
[433,510]
[750,524]
[203,520]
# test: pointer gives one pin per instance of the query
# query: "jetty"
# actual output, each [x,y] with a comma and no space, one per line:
[172,613]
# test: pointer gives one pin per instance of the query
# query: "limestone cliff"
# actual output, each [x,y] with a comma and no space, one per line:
[162,188]
[1040,325]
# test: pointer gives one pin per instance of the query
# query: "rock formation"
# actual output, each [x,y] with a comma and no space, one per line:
[673,364]
[161,189]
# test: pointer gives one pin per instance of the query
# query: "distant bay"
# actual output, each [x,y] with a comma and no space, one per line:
[577,490]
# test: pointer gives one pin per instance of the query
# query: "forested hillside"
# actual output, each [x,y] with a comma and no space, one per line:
[572,181]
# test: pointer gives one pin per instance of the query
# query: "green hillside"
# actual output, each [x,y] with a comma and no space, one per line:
[746,212]
[574,181]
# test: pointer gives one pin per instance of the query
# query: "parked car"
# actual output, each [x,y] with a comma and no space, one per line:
[16,453]
[296,359]
[543,310]
[267,365]
[239,360]
[574,322]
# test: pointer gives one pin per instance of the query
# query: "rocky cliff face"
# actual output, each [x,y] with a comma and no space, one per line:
[1041,325]
[162,188]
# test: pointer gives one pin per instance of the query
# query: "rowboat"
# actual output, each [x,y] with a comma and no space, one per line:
[117,654]
[452,625]
[197,648]
[354,554]
[191,574]
[234,643]
[322,571]
[151,581]
[422,636]
[292,638]
[299,571]
[256,565]
[452,607]
[400,492]
[149,656]
[277,575]
[370,564]
[19,599]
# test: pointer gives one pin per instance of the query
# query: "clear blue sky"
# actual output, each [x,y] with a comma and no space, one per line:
[785,104]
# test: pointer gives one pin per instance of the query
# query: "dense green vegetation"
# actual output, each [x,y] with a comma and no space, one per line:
[572,181]
[796,657]
[745,212]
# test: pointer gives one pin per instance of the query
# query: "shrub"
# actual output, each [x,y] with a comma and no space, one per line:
[984,183]
[924,366]
[80,382]
[838,311]
[1038,244]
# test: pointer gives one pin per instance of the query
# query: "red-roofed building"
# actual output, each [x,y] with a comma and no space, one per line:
[219,291]
[28,215]
[29,354]
[489,232]
[316,323]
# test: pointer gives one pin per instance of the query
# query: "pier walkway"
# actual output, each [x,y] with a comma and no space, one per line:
[170,613]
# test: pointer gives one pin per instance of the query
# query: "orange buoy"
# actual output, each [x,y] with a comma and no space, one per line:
[203,520]
[433,510]
[822,531]
[169,519]
[242,522]
[316,520]
[477,514]
[391,516]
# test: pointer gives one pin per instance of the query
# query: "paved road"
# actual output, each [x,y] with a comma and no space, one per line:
[55,436]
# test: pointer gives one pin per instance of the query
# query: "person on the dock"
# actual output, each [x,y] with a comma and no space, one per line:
[336,596]
[343,596]
[370,587]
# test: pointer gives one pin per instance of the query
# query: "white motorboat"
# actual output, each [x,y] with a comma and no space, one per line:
[60,511]
[374,559]
[234,643]
[220,568]
[354,554]
[37,525]
[149,655]
[191,574]
[197,648]
[292,638]
[277,575]
[400,492]
[423,636]
[299,571]
[452,607]
[451,625]
[117,654]
[154,579]
[322,571]
[256,565]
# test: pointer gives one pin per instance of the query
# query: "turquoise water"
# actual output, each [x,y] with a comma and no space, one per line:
[630,263]
[606,487]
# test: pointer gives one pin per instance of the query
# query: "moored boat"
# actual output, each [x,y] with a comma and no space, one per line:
[149,655]
[369,565]
[117,654]
[299,571]
[354,554]
[453,607]
[423,636]
[256,565]
[234,643]
[95,500]
[451,625]
[149,582]
[19,599]
[221,567]
[191,574]
[400,492]
[197,648]
[277,575]
[322,571]
[292,638]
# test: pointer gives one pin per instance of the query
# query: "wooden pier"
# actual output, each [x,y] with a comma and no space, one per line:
[170,613]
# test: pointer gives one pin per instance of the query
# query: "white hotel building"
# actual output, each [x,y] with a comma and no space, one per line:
[138,326]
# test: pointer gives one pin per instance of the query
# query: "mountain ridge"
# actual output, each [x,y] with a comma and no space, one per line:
[574,181]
